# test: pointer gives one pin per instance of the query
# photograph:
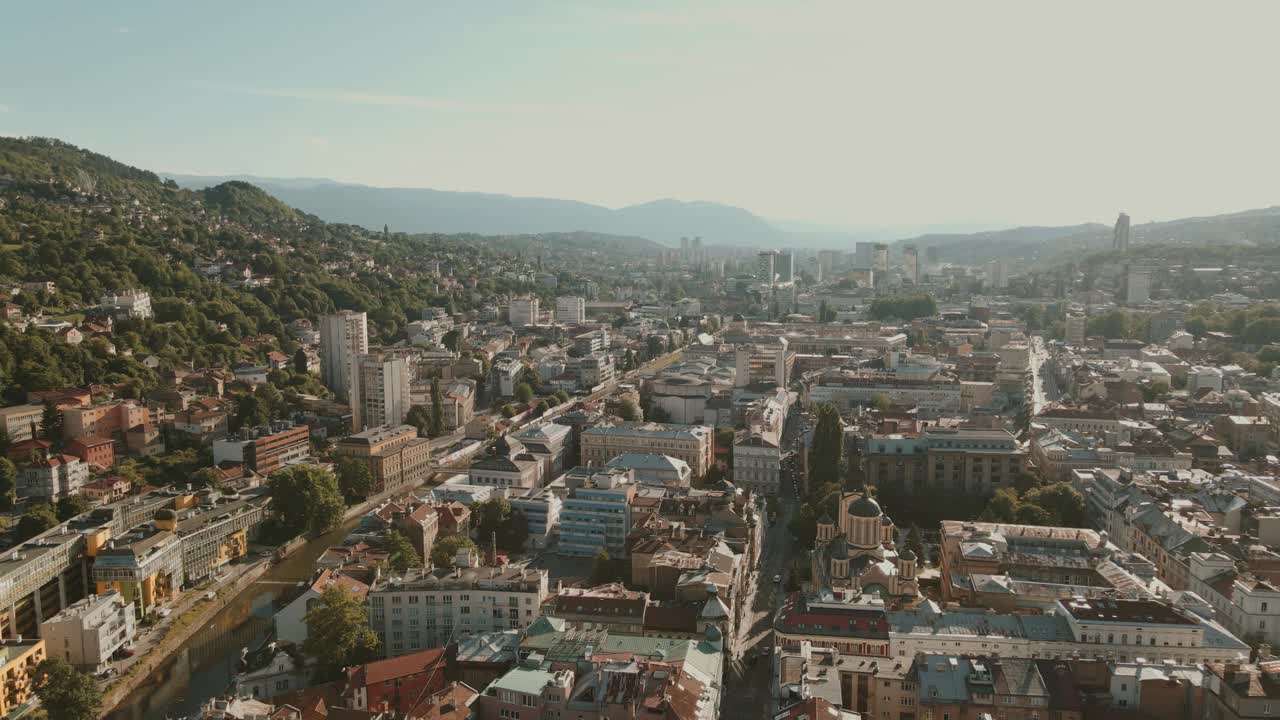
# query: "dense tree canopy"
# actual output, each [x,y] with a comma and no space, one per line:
[66,693]
[338,633]
[305,498]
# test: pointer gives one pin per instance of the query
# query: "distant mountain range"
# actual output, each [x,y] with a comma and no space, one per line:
[438,211]
[416,210]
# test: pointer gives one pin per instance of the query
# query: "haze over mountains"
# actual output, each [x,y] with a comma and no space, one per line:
[420,210]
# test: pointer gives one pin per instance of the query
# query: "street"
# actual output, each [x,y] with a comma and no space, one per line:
[749,676]
[1044,386]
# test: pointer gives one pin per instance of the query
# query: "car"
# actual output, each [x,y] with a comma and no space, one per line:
[777,579]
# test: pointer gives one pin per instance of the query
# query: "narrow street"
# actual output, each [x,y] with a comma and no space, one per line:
[749,676]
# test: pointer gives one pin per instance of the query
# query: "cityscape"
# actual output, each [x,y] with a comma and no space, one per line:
[281,447]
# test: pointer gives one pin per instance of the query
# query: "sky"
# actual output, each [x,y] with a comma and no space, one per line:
[832,113]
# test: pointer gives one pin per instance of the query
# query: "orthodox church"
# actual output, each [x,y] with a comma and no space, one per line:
[855,552]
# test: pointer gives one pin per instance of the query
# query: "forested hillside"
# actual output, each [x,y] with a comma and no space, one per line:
[91,225]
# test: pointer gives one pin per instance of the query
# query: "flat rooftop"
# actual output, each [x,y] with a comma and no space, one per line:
[1125,611]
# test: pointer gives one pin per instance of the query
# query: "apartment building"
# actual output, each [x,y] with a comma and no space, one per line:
[217,531]
[110,419]
[89,631]
[134,304]
[431,608]
[381,395]
[396,456]
[143,565]
[52,476]
[693,444]
[524,311]
[344,337]
[458,401]
[18,662]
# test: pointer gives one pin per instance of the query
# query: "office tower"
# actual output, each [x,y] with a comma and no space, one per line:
[766,268]
[784,267]
[382,395]
[684,247]
[1120,239]
[911,263]
[998,274]
[523,311]
[880,257]
[571,310]
[344,336]
[862,254]
[931,255]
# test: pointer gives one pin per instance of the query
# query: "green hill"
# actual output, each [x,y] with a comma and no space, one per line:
[92,225]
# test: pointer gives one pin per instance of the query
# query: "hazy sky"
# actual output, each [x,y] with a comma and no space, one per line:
[841,113]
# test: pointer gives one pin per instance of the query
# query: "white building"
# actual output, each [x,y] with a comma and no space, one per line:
[1137,286]
[135,304]
[757,462]
[1075,331]
[381,396]
[998,274]
[89,631]
[523,311]
[428,609]
[571,310]
[344,337]
[51,477]
[291,621]
[1200,376]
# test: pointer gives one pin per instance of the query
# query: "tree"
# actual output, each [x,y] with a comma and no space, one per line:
[300,362]
[305,498]
[496,518]
[1061,501]
[70,506]
[419,417]
[827,451]
[271,399]
[804,526]
[562,397]
[436,426]
[627,410]
[604,569]
[338,633]
[881,401]
[51,424]
[207,478]
[401,553]
[35,520]
[446,549]
[524,392]
[5,442]
[250,412]
[1261,331]
[66,693]
[1114,324]
[355,481]
[450,340]
[8,484]
[915,544]
[1003,507]
[903,307]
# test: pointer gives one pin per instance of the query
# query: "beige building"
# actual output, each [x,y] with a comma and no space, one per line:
[694,444]
[396,455]
[20,420]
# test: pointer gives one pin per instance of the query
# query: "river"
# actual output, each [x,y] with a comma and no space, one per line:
[202,667]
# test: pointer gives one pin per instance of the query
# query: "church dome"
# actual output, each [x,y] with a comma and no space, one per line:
[866,507]
[907,555]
